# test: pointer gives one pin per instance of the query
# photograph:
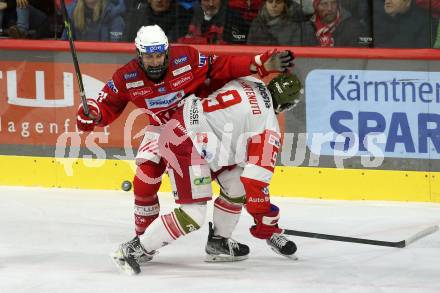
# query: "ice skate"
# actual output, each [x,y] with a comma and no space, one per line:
[221,249]
[145,258]
[130,255]
[282,246]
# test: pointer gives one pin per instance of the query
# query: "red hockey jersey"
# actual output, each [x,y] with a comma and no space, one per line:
[188,72]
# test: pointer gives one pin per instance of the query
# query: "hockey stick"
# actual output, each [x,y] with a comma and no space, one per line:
[75,59]
[398,244]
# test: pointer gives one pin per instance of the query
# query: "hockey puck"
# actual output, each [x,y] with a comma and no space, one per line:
[126,185]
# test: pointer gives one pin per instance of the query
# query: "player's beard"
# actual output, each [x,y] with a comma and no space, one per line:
[156,73]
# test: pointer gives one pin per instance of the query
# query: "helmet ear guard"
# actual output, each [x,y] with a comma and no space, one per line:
[286,90]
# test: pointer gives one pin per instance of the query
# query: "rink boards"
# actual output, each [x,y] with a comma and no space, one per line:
[379,102]
[325,183]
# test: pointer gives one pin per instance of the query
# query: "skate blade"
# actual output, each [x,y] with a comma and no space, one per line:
[121,264]
[145,260]
[291,257]
[224,258]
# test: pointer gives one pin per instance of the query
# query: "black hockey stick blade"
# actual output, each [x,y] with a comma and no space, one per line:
[75,58]
[397,244]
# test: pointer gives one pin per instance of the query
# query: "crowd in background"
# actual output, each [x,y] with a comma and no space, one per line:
[325,23]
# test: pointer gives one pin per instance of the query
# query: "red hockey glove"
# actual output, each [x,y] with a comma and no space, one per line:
[266,223]
[272,61]
[88,123]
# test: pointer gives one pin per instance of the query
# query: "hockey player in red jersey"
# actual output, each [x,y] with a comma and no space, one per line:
[232,136]
[156,80]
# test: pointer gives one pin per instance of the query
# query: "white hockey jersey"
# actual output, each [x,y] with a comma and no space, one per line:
[222,125]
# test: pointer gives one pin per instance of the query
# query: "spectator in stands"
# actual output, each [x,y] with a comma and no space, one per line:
[275,25]
[358,9]
[32,15]
[401,24]
[335,27]
[96,20]
[8,15]
[207,23]
[362,11]
[239,16]
[58,19]
[307,6]
[58,3]
[434,7]
[3,6]
[171,16]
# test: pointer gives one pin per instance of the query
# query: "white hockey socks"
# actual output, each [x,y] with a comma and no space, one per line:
[169,227]
[227,212]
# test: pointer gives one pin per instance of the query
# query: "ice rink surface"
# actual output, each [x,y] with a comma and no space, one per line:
[59,240]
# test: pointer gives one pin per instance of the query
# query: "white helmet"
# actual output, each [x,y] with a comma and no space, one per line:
[151,39]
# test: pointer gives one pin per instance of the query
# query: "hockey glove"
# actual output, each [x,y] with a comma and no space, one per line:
[266,224]
[88,123]
[272,61]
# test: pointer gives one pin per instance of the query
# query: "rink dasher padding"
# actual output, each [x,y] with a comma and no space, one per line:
[312,182]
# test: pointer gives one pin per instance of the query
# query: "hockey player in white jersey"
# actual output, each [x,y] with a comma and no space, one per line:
[233,137]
